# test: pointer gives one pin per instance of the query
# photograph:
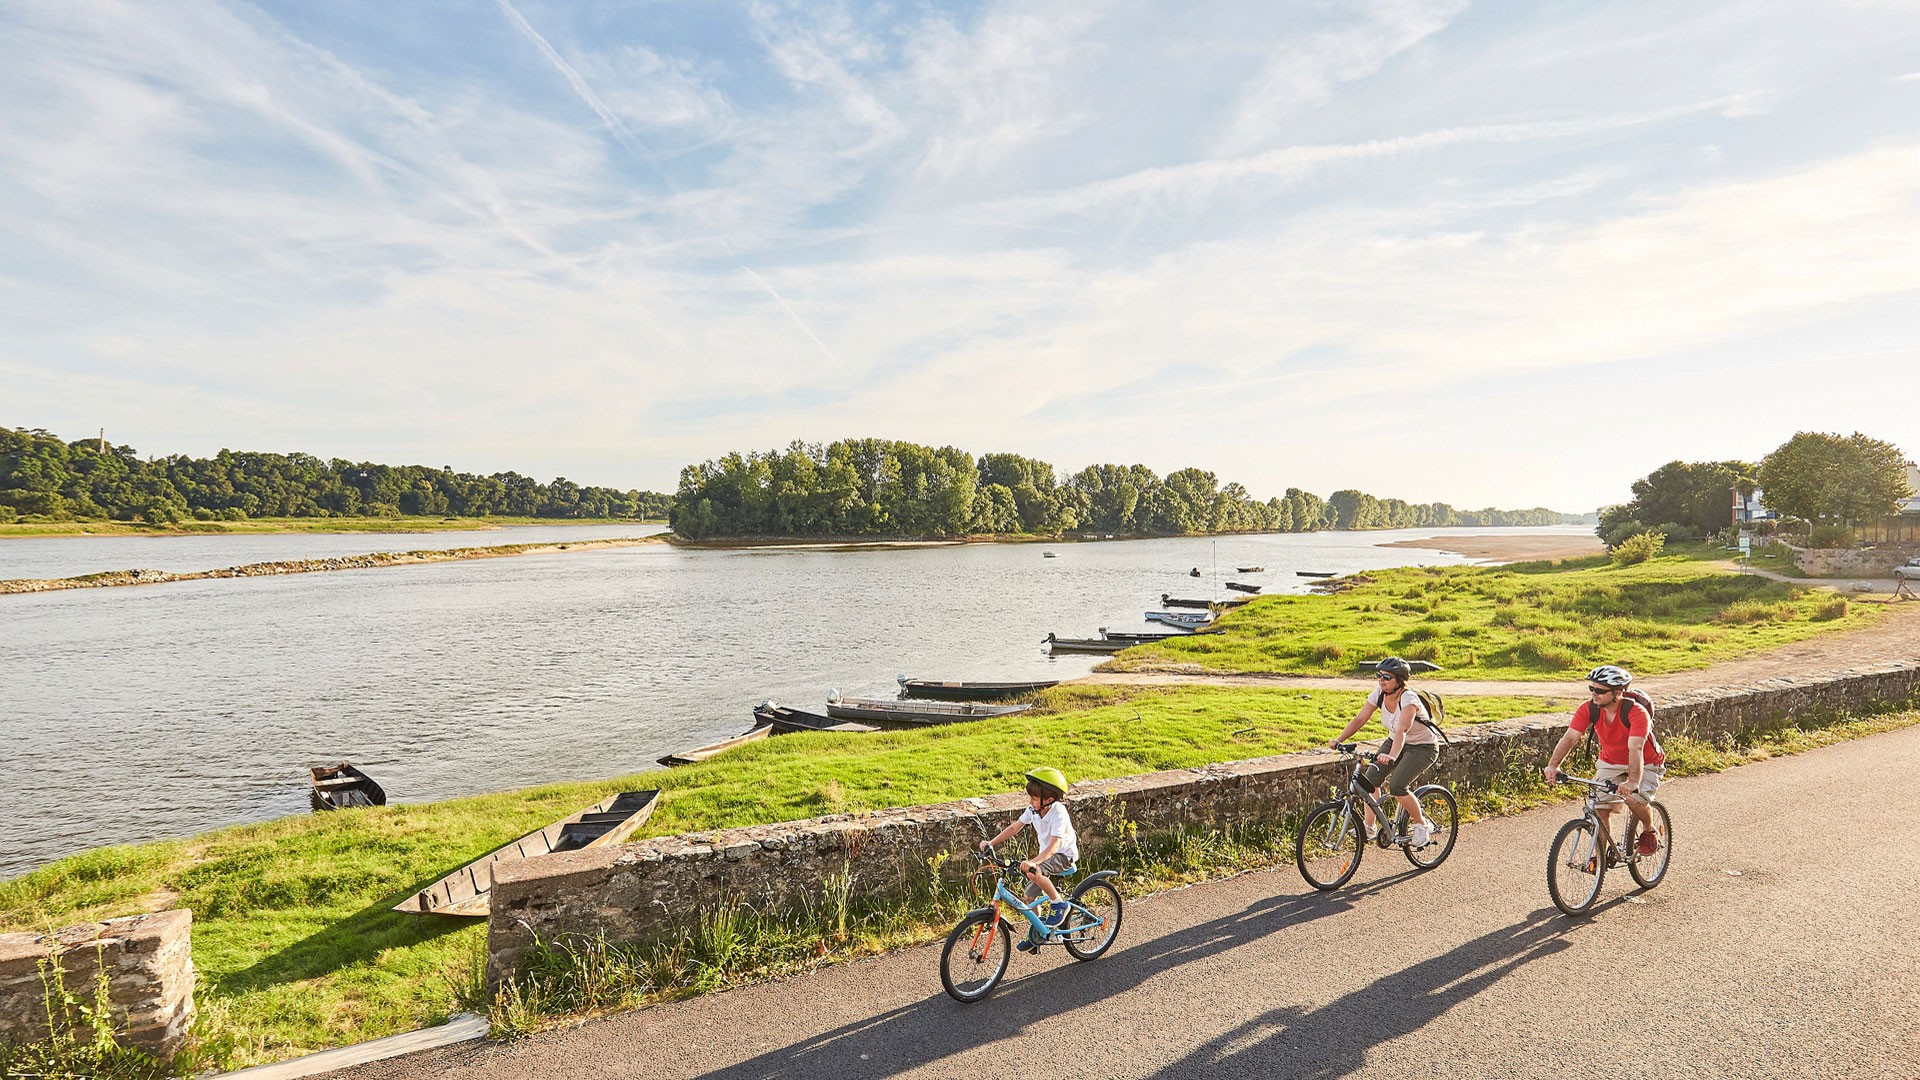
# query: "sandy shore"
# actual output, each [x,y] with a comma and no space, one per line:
[1510,548]
[312,566]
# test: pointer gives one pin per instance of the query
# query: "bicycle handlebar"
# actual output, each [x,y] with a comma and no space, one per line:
[1607,786]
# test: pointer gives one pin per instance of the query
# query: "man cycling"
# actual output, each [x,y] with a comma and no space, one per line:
[1629,754]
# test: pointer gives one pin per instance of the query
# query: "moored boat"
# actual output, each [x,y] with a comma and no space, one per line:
[1135,637]
[788,721]
[1313,573]
[341,787]
[1169,600]
[702,753]
[467,891]
[1241,586]
[1184,619]
[1249,569]
[1058,644]
[971,691]
[916,713]
[1418,667]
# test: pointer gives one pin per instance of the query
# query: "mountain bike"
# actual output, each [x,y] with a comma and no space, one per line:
[1331,839]
[1580,858]
[980,947]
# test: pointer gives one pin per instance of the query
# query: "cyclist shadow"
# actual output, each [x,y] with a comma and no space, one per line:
[931,1030]
[1333,1040]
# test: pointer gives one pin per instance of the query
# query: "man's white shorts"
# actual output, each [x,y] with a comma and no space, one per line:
[1650,777]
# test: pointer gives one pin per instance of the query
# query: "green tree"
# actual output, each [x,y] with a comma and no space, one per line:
[1828,479]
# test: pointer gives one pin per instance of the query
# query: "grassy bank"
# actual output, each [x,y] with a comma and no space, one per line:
[255,526]
[1543,621]
[298,951]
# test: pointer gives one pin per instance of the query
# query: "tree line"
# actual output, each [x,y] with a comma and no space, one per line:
[1821,482]
[882,487]
[43,477]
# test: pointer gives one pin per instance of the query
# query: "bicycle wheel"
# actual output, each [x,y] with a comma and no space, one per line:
[1089,933]
[1328,846]
[976,956]
[1575,865]
[1441,812]
[1647,870]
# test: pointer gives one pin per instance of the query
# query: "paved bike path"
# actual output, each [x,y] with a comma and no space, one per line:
[1780,945]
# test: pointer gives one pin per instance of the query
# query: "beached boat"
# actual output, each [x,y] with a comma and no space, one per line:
[915,713]
[1418,667]
[1168,600]
[1058,644]
[1185,619]
[1313,573]
[1249,569]
[341,787]
[971,691]
[1135,637]
[467,891]
[787,721]
[702,753]
[1241,586]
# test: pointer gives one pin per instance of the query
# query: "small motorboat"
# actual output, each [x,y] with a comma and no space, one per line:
[702,753]
[915,713]
[1058,644]
[786,721]
[467,891]
[1186,620]
[971,691]
[342,787]
[1241,586]
[1249,569]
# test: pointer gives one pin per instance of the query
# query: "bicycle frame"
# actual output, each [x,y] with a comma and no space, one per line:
[1358,791]
[1594,789]
[1043,932]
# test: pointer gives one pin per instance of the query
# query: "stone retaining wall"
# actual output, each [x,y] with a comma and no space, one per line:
[149,965]
[1875,562]
[647,889]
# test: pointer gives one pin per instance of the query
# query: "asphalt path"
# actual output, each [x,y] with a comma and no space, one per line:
[1782,944]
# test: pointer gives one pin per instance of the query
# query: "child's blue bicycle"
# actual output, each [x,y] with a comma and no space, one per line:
[980,948]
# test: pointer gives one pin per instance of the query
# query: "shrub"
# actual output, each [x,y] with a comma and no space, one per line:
[1746,612]
[1547,656]
[1835,608]
[1830,536]
[1326,653]
[1638,548]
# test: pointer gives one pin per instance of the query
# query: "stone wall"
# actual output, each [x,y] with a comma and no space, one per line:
[1874,562]
[149,965]
[647,889]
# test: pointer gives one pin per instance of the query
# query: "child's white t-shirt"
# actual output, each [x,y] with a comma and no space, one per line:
[1051,824]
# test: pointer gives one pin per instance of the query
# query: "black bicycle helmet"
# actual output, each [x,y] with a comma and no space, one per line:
[1610,675]
[1395,667]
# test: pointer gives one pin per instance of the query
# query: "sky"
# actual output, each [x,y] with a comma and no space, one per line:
[1506,254]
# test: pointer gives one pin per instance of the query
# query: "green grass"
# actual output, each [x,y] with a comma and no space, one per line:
[298,951]
[291,525]
[1534,621]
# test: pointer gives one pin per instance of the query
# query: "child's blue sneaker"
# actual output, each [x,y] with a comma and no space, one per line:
[1055,915]
[1028,945]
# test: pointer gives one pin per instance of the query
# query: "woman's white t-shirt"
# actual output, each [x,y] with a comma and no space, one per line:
[1051,824]
[1417,732]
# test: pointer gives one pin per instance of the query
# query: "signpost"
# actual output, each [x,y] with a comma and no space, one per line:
[1746,550]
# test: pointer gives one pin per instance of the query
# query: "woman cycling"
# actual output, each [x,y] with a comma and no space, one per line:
[1410,749]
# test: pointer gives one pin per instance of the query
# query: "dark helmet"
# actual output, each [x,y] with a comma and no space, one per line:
[1395,667]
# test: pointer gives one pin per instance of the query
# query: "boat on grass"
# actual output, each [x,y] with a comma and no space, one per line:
[971,691]
[789,721]
[343,787]
[1055,643]
[702,753]
[468,890]
[1418,667]
[915,714]
[1135,637]
[1190,620]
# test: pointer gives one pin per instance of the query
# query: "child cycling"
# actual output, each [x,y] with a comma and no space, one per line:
[1629,755]
[1058,844]
[1411,745]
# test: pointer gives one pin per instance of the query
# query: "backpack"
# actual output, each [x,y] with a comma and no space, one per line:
[1436,707]
[1638,697]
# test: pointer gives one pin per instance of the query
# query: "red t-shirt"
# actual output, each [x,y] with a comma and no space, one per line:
[1613,735]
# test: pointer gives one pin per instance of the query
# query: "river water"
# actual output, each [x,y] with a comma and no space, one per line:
[145,712]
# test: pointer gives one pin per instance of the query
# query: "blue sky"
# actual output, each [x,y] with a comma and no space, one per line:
[1487,253]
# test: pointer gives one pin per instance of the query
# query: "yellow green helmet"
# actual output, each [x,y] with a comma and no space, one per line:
[1051,778]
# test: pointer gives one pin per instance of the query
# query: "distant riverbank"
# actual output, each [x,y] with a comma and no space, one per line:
[310,566]
[263,526]
[1509,548]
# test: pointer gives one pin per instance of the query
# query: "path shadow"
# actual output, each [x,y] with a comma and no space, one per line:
[928,1031]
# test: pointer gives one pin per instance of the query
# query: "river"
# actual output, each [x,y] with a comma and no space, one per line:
[145,712]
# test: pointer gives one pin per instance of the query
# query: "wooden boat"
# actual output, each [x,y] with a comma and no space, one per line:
[1183,619]
[1167,600]
[915,713]
[1085,645]
[341,787]
[786,721]
[1249,569]
[1241,586]
[1313,573]
[1048,555]
[467,890]
[1133,637]
[1418,667]
[702,753]
[971,691]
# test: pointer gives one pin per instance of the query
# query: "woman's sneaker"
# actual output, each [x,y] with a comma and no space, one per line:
[1422,835]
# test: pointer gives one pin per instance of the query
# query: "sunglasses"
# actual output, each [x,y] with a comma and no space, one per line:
[1384,677]
[1601,690]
